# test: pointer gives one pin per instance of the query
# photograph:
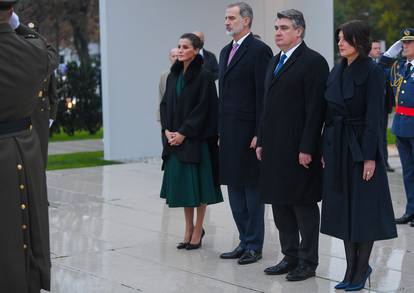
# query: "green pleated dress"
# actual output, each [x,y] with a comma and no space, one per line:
[188,184]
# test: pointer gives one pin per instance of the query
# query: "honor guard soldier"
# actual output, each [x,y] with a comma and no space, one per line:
[46,109]
[25,61]
[401,77]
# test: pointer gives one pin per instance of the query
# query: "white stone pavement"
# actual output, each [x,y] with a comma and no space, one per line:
[111,233]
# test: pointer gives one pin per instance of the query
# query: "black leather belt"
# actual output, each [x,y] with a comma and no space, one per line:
[8,127]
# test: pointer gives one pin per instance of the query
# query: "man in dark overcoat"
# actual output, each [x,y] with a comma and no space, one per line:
[25,252]
[209,59]
[242,68]
[288,145]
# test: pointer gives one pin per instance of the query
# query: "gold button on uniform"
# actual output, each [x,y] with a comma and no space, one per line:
[24,246]
[23,206]
[42,110]
[405,81]
[24,227]
[402,92]
[40,94]
[19,167]
[21,186]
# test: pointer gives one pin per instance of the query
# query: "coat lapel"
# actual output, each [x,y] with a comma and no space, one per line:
[292,59]
[333,91]
[241,51]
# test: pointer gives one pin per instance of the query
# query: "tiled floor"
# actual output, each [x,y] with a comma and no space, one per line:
[111,233]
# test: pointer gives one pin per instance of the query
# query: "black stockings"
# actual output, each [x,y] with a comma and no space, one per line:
[357,259]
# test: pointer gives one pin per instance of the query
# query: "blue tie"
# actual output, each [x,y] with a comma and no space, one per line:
[280,64]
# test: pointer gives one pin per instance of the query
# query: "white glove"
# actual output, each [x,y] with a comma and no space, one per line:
[394,50]
[14,21]
[50,122]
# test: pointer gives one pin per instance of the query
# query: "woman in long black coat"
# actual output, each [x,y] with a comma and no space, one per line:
[189,122]
[356,204]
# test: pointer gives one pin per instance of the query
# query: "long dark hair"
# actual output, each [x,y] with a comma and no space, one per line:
[357,34]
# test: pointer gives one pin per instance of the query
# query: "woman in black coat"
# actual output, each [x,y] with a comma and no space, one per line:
[356,204]
[189,122]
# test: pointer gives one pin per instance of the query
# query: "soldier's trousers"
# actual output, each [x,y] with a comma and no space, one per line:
[405,147]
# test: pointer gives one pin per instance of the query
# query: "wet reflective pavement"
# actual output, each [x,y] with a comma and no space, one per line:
[111,233]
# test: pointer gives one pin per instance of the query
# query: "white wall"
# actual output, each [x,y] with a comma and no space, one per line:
[136,36]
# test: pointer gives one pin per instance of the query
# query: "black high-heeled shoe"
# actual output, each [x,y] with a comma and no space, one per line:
[182,245]
[198,245]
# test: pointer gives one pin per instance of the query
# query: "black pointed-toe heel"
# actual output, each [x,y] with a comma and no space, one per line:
[198,245]
[182,245]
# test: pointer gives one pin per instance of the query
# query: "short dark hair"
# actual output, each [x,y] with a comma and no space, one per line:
[195,41]
[296,17]
[245,10]
[375,41]
[357,34]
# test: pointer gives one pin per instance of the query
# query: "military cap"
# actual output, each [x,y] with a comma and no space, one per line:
[7,4]
[407,34]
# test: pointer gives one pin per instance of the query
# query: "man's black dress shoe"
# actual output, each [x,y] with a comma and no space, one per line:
[236,253]
[300,273]
[249,256]
[404,219]
[281,268]
[412,223]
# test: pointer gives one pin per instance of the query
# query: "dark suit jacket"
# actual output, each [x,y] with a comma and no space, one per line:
[241,90]
[291,123]
[210,63]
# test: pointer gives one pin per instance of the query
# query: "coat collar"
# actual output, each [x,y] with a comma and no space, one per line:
[5,28]
[343,78]
[192,71]
[291,60]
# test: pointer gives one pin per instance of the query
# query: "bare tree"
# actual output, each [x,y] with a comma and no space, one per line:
[68,22]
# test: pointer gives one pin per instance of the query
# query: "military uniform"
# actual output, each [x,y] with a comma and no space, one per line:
[24,251]
[401,78]
[45,110]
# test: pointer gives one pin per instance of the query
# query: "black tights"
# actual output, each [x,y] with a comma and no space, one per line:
[357,259]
